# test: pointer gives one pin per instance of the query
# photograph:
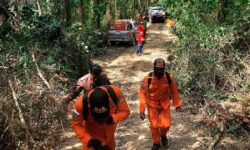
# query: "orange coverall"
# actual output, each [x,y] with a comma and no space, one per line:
[87,129]
[141,29]
[157,100]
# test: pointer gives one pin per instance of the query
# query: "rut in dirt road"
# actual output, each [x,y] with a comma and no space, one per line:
[126,69]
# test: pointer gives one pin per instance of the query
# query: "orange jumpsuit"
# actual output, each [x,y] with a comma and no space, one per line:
[141,30]
[87,129]
[157,100]
[140,19]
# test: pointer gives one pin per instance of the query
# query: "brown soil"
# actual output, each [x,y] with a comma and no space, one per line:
[126,69]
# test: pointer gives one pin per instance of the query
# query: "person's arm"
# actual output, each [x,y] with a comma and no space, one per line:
[174,92]
[73,93]
[122,106]
[76,90]
[78,124]
[143,94]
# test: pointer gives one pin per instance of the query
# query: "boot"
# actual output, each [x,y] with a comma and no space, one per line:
[164,140]
[155,147]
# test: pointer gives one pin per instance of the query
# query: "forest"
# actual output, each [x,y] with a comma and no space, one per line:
[46,45]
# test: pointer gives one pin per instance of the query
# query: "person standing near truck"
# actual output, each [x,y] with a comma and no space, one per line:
[140,19]
[141,29]
[140,40]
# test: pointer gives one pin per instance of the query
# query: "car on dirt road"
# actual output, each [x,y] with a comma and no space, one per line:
[123,31]
[155,14]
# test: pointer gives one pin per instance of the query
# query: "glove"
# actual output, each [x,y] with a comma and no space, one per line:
[178,109]
[142,115]
[110,120]
[96,144]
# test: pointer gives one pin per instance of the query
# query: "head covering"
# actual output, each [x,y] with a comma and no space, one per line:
[159,67]
[99,105]
[95,70]
[159,62]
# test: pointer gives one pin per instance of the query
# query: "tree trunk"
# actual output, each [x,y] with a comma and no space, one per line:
[116,14]
[139,6]
[108,14]
[224,4]
[67,12]
[97,15]
[146,3]
[81,10]
[48,5]
[38,8]
[112,11]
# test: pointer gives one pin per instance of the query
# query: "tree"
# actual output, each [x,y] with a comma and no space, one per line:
[67,12]
[81,11]
[38,7]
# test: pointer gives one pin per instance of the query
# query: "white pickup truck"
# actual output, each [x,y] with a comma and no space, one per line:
[123,31]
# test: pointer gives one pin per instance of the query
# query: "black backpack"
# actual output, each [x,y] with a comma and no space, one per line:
[85,100]
[151,74]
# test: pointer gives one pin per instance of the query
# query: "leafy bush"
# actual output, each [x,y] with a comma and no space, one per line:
[212,63]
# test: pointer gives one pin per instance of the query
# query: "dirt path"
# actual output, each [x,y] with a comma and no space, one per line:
[126,69]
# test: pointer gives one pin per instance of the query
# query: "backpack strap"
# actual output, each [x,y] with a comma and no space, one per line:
[168,77]
[85,109]
[150,78]
[111,93]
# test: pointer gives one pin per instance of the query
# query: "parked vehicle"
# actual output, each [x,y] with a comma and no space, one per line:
[155,14]
[123,31]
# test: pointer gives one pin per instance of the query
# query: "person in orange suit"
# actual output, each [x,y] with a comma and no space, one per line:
[156,97]
[140,41]
[96,115]
[170,23]
[141,29]
[140,19]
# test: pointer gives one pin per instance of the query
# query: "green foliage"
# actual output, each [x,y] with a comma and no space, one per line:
[100,8]
[210,48]
[27,14]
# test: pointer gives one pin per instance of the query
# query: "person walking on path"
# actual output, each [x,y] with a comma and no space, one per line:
[140,41]
[141,29]
[155,90]
[89,81]
[96,115]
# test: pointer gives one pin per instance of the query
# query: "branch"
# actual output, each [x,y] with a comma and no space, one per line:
[39,72]
[217,138]
[23,123]
[3,67]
